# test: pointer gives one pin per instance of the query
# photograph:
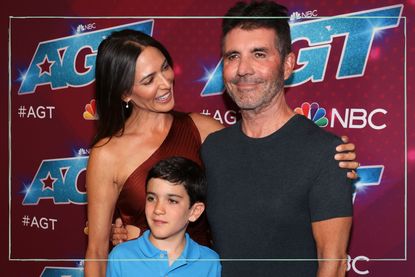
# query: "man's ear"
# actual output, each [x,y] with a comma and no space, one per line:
[196,211]
[289,64]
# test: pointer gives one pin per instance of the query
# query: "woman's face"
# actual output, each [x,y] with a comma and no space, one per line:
[153,85]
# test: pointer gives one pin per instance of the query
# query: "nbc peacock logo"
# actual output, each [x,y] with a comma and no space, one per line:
[90,112]
[313,112]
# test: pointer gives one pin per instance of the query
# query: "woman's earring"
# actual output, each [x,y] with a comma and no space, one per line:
[126,105]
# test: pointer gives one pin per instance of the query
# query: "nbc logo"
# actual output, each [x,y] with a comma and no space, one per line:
[299,15]
[314,113]
[350,118]
[87,27]
[80,29]
[90,112]
[295,16]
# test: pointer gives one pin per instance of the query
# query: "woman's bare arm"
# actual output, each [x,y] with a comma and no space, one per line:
[102,194]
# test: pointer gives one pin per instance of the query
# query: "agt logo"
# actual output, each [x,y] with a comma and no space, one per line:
[62,271]
[370,175]
[353,118]
[57,179]
[54,61]
[359,30]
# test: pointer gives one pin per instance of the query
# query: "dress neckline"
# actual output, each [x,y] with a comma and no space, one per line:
[154,154]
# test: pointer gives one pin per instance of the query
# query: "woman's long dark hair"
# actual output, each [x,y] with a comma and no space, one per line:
[114,78]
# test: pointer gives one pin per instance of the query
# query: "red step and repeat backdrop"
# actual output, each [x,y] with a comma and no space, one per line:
[353,77]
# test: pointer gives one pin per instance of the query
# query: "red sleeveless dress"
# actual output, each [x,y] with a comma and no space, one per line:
[183,140]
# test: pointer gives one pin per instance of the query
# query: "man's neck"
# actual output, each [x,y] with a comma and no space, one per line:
[267,120]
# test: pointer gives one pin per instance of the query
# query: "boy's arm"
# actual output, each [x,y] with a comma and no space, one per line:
[332,237]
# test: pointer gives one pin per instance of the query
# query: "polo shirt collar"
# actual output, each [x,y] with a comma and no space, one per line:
[148,249]
[191,249]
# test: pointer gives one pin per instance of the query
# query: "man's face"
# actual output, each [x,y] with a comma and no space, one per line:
[252,70]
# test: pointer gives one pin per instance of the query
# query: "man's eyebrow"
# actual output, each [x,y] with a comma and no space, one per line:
[229,53]
[253,50]
[260,49]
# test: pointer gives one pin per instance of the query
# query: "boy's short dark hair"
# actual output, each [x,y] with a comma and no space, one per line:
[180,170]
[251,13]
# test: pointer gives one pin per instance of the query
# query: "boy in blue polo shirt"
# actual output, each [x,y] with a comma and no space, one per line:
[175,196]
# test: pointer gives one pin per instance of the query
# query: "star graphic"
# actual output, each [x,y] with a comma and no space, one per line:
[48,182]
[45,66]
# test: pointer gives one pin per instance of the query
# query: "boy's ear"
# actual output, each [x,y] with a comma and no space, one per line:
[196,211]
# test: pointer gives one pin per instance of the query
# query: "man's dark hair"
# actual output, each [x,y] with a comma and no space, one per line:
[257,9]
[182,171]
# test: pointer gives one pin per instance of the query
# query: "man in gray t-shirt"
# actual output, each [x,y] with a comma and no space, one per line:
[274,191]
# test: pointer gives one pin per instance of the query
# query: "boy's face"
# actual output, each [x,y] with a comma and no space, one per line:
[168,209]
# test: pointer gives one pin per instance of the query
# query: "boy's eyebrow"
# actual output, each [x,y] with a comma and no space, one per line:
[169,194]
[174,195]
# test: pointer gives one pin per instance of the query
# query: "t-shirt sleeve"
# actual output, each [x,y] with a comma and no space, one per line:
[217,269]
[113,266]
[204,148]
[331,192]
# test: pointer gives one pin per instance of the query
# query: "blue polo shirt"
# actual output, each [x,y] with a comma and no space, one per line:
[140,257]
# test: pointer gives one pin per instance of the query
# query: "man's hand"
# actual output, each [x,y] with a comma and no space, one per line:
[347,157]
